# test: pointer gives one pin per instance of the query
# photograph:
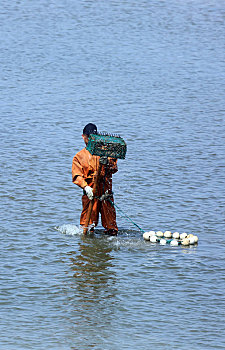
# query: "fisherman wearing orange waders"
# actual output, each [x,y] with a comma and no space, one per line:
[84,168]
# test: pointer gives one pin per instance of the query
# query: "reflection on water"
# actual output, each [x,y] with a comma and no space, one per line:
[92,294]
[91,267]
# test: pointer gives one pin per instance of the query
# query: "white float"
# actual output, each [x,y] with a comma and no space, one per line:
[162,241]
[153,239]
[167,234]
[146,236]
[192,240]
[183,235]
[196,239]
[152,233]
[176,235]
[159,233]
[185,241]
[174,242]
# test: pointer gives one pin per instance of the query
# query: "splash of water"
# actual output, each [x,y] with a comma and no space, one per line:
[69,229]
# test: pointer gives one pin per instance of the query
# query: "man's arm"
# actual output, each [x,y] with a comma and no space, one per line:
[78,174]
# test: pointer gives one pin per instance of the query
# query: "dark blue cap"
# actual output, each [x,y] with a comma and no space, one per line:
[90,129]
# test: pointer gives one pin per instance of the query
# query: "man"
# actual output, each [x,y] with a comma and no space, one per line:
[84,168]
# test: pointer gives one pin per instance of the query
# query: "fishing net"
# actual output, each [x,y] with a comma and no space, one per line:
[105,145]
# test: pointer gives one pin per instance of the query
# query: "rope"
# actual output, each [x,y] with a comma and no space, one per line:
[112,203]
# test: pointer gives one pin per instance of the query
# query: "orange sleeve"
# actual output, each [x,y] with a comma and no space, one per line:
[85,165]
[78,173]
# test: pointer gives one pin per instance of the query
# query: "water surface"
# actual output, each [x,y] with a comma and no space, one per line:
[152,71]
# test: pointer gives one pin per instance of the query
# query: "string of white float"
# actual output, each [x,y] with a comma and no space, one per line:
[168,237]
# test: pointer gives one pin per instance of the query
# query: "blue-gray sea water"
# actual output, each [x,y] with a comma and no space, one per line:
[153,72]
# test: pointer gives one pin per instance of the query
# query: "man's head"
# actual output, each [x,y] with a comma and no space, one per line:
[89,129]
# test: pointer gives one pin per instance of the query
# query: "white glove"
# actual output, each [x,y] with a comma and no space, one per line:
[89,192]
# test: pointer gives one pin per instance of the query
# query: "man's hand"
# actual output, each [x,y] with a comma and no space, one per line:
[89,192]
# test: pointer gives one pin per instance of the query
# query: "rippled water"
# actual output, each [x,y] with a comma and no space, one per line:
[152,71]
